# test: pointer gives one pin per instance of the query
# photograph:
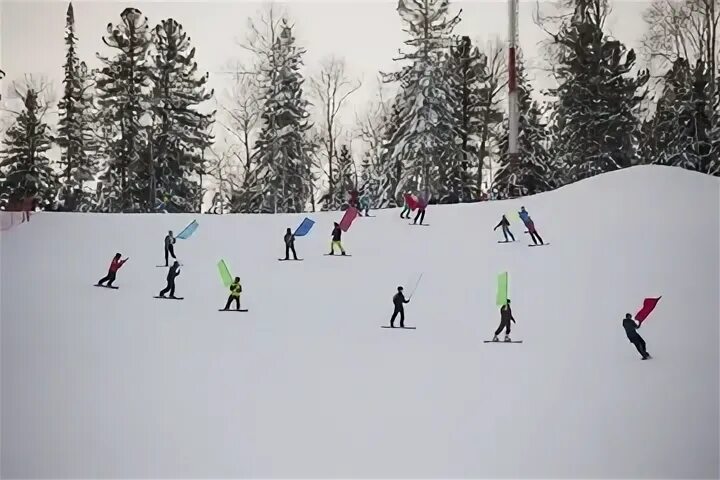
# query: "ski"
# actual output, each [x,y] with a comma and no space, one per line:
[538,245]
[106,286]
[333,255]
[513,341]
[290,259]
[171,298]
[399,328]
[228,310]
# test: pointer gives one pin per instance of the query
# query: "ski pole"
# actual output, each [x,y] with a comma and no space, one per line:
[415,287]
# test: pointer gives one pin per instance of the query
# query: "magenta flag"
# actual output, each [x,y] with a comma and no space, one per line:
[648,306]
[350,215]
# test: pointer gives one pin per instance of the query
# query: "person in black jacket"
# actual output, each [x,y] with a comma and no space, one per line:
[505,224]
[290,245]
[399,301]
[173,273]
[169,249]
[506,317]
[631,331]
[336,235]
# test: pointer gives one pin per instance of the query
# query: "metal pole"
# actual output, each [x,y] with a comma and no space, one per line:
[513,114]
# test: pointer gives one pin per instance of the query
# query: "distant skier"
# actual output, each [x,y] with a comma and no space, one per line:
[169,248]
[505,224]
[506,317]
[112,271]
[399,302]
[422,205]
[407,197]
[290,245]
[173,273]
[631,331]
[336,242]
[364,204]
[235,290]
[530,225]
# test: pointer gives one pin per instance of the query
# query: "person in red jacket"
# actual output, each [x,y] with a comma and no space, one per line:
[112,272]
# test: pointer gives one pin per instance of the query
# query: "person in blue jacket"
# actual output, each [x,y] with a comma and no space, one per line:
[530,225]
[364,205]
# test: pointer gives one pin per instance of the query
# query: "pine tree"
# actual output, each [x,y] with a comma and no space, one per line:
[343,181]
[281,181]
[25,170]
[182,132]
[123,86]
[389,168]
[425,141]
[75,132]
[595,128]
[532,170]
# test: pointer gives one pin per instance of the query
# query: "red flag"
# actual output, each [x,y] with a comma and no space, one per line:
[411,201]
[350,215]
[648,306]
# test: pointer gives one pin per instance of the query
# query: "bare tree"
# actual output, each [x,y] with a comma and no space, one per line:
[223,169]
[331,88]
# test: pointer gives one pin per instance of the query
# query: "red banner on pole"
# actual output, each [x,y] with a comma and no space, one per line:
[350,215]
[648,306]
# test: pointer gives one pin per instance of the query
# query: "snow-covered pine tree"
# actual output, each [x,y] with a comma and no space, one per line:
[181,131]
[123,85]
[425,141]
[533,170]
[679,133]
[596,129]
[75,130]
[343,181]
[25,169]
[282,177]
[389,169]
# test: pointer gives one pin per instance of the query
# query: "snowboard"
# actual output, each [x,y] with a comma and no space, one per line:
[337,255]
[105,286]
[166,266]
[290,259]
[419,224]
[502,341]
[232,310]
[539,245]
[506,241]
[399,328]
[170,298]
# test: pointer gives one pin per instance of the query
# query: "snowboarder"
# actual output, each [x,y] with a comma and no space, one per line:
[530,225]
[422,205]
[173,273]
[506,317]
[364,205]
[631,331]
[112,271]
[407,197]
[169,249]
[235,290]
[505,224]
[290,245]
[336,234]
[399,301]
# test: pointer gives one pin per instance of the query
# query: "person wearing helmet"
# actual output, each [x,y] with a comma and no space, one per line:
[169,249]
[290,245]
[399,302]
[506,317]
[235,290]
[631,331]
[505,224]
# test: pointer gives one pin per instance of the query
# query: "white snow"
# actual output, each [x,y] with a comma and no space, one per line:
[101,383]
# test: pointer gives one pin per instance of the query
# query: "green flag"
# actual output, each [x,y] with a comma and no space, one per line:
[502,289]
[513,216]
[224,274]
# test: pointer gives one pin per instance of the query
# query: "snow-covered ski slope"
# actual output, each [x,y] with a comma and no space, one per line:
[113,383]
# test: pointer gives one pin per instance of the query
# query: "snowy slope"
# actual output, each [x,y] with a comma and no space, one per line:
[100,383]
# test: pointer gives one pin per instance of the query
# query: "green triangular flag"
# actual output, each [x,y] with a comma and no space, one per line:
[502,289]
[225,274]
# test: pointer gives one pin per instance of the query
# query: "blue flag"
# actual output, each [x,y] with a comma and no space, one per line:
[304,227]
[189,230]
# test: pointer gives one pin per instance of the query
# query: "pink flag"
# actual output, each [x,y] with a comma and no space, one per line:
[350,215]
[648,306]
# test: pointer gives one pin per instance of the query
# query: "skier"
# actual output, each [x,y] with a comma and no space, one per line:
[399,301]
[290,245]
[506,317]
[407,197]
[422,205]
[631,331]
[169,242]
[336,234]
[505,224]
[364,205]
[235,289]
[525,217]
[112,271]
[173,273]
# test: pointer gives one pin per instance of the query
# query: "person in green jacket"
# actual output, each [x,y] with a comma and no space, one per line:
[235,289]
[364,205]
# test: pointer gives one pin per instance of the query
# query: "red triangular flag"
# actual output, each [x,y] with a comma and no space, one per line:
[648,306]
